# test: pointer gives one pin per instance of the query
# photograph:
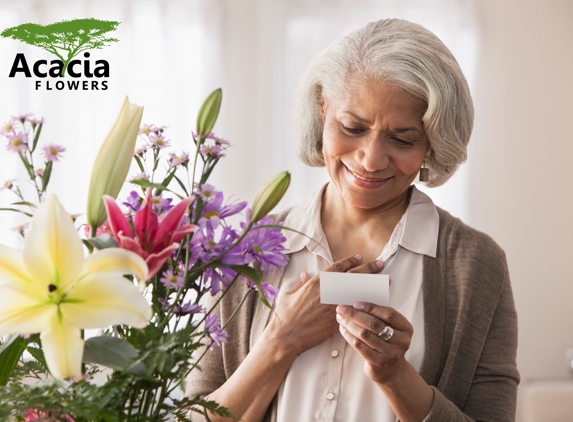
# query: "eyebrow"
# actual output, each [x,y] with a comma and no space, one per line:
[397,130]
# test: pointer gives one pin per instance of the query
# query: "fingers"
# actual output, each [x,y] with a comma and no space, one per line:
[304,277]
[372,267]
[364,313]
[345,264]
[366,326]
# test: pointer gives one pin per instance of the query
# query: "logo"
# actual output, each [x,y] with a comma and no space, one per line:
[65,40]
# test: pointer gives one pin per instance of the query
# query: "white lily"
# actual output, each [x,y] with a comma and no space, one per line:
[51,288]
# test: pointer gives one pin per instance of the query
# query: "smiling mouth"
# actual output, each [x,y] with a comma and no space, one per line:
[366,179]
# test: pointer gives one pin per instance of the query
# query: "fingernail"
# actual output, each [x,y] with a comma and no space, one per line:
[379,264]
[341,309]
[301,276]
[358,257]
[359,305]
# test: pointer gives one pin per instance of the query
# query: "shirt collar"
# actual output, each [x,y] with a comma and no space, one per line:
[304,218]
[416,231]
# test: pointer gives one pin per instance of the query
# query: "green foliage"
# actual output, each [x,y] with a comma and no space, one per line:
[10,353]
[65,39]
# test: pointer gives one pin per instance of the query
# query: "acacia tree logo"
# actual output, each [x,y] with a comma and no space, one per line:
[65,39]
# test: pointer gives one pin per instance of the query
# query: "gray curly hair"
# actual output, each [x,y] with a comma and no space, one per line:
[403,53]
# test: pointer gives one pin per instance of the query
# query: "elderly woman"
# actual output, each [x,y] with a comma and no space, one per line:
[376,108]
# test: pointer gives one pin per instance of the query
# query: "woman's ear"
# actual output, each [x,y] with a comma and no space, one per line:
[321,105]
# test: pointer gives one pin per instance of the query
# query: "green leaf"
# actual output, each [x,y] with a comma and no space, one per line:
[103,242]
[139,164]
[28,204]
[9,356]
[255,276]
[209,113]
[38,354]
[36,137]
[47,174]
[181,184]
[15,210]
[167,180]
[114,353]
[148,184]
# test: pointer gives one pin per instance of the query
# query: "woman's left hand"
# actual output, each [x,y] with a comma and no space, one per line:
[361,325]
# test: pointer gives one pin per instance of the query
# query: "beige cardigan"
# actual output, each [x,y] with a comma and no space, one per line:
[470,330]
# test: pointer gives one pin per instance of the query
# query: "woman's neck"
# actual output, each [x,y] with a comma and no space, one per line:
[350,230]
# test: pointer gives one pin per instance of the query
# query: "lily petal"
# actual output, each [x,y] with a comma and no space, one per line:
[145,222]
[12,267]
[24,309]
[117,261]
[53,251]
[63,348]
[172,220]
[155,261]
[103,299]
[117,221]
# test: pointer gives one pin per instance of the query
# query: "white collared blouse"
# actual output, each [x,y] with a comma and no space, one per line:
[327,382]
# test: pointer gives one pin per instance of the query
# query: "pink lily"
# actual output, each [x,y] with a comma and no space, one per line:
[153,241]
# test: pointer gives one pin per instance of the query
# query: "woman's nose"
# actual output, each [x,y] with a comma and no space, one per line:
[372,154]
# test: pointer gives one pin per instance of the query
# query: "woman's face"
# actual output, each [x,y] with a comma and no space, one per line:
[374,142]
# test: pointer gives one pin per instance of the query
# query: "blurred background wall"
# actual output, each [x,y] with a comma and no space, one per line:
[516,54]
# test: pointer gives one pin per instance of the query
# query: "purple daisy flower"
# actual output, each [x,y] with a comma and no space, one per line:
[214,330]
[170,279]
[264,245]
[160,204]
[215,277]
[188,308]
[17,142]
[214,211]
[39,172]
[270,292]
[133,201]
[52,152]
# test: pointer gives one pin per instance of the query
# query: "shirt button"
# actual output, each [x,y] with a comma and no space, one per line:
[334,353]
[330,396]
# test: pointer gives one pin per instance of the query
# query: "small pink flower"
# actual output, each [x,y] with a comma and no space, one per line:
[158,140]
[21,228]
[170,279]
[140,150]
[7,184]
[17,142]
[140,176]
[206,191]
[39,172]
[178,160]
[8,127]
[53,152]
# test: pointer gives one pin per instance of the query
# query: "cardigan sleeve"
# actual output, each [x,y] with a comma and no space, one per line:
[493,392]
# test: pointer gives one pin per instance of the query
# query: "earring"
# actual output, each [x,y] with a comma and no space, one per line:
[424,173]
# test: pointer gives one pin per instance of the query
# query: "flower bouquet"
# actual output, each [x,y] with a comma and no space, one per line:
[139,274]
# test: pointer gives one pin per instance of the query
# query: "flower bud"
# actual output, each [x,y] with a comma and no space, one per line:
[113,161]
[270,196]
[209,113]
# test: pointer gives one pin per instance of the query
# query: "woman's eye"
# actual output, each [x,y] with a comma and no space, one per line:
[352,130]
[402,142]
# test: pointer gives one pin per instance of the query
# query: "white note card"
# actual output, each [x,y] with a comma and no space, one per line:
[349,288]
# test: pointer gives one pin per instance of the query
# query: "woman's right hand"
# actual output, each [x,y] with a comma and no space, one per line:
[299,320]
